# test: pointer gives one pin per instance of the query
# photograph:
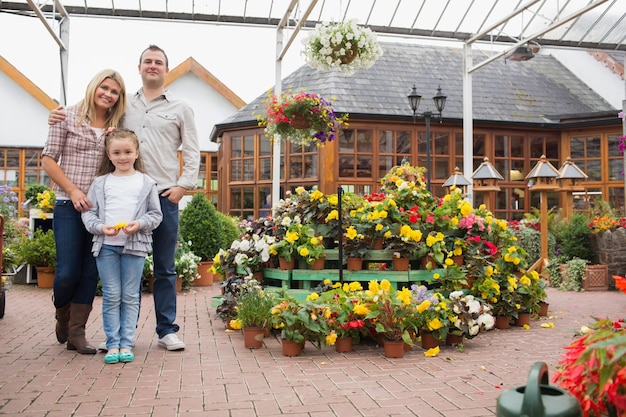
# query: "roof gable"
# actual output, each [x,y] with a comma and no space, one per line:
[191,65]
[26,84]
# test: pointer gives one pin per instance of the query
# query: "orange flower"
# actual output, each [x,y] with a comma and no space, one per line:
[620,283]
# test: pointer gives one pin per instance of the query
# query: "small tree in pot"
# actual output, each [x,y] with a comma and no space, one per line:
[201,226]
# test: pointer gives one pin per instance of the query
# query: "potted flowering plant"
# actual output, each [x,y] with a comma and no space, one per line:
[434,314]
[593,368]
[348,311]
[186,263]
[302,118]
[344,46]
[355,244]
[392,311]
[472,314]
[311,249]
[301,320]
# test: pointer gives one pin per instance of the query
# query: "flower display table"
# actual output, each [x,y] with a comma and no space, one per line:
[304,278]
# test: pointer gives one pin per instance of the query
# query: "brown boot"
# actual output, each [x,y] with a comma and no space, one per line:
[62,326]
[79,313]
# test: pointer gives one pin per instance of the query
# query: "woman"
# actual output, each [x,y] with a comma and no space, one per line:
[70,158]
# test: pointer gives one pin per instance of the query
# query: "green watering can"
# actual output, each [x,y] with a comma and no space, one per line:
[537,398]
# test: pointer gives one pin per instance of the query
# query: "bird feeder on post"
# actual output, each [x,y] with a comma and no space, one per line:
[458,180]
[543,178]
[570,178]
[485,180]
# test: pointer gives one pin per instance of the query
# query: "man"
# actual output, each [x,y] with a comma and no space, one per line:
[163,124]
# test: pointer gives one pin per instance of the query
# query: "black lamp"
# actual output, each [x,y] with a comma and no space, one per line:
[440,102]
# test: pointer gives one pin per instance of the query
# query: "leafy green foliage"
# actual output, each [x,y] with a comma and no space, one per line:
[201,225]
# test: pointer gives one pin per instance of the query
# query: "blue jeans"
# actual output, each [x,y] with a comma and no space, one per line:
[121,277]
[76,275]
[165,238]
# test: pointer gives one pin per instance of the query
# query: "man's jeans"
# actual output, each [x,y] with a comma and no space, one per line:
[165,238]
[121,278]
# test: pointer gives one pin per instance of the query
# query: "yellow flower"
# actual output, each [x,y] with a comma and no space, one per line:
[304,252]
[355,286]
[423,306]
[314,240]
[291,236]
[333,200]
[385,285]
[489,271]
[373,286]
[432,352]
[331,338]
[524,280]
[454,221]
[436,275]
[387,234]
[526,327]
[351,233]
[316,195]
[449,262]
[404,295]
[361,309]
[466,209]
[333,215]
[235,324]
[119,225]
[327,281]
[434,324]
[550,325]
[379,227]
[300,190]
[313,296]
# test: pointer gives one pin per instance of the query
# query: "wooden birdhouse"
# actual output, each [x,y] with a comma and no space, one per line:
[571,177]
[543,176]
[486,177]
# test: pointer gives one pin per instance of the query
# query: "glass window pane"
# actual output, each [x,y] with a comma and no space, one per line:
[385,141]
[248,146]
[385,163]
[13,159]
[346,140]
[517,147]
[310,165]
[236,172]
[266,146]
[265,169]
[616,167]
[500,146]
[594,170]
[593,147]
[235,199]
[365,141]
[403,143]
[442,144]
[248,198]
[364,168]
[236,147]
[441,170]
[577,148]
[479,145]
[248,170]
[536,148]
[552,148]
[614,145]
[346,166]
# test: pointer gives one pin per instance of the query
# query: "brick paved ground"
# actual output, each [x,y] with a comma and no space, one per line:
[217,376]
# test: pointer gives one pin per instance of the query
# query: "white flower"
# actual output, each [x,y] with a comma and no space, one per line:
[330,44]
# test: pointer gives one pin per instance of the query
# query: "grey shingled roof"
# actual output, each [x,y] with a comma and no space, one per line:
[504,91]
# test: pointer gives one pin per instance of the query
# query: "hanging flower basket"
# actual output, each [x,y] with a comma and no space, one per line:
[343,46]
[302,118]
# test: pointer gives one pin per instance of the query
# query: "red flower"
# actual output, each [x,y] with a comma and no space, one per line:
[620,283]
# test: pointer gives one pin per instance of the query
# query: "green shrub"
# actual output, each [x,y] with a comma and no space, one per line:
[229,226]
[201,225]
[573,238]
[38,250]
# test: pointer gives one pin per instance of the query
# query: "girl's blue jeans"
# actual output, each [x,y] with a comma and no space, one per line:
[121,282]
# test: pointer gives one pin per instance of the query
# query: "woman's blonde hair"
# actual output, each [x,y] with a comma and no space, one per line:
[115,113]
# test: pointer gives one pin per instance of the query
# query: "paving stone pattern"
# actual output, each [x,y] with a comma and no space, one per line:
[216,376]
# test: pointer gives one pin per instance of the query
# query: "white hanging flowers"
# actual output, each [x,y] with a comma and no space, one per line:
[344,47]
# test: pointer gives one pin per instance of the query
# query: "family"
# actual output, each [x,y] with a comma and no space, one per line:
[110,212]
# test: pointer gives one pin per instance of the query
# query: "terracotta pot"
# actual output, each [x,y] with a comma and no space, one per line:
[458,260]
[428,340]
[355,264]
[45,276]
[343,344]
[286,265]
[253,337]
[258,276]
[543,308]
[291,348]
[318,264]
[179,284]
[503,322]
[470,282]
[377,244]
[427,259]
[522,319]
[401,264]
[394,348]
[206,276]
[454,339]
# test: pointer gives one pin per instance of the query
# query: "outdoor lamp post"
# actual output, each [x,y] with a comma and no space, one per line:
[457,179]
[440,102]
[569,180]
[543,178]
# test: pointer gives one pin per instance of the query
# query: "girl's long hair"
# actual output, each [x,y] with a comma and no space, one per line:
[106,166]
[87,106]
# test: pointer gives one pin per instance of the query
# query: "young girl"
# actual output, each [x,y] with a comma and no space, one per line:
[125,210]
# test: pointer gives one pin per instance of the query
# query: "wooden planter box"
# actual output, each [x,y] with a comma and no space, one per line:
[596,278]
